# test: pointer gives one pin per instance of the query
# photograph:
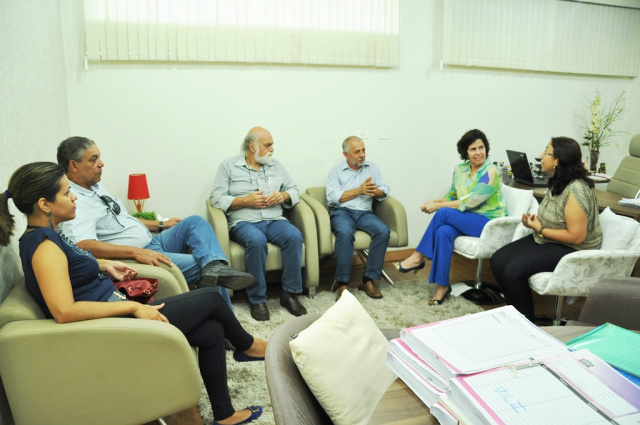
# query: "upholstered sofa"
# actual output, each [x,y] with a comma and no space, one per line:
[300,216]
[104,371]
[292,401]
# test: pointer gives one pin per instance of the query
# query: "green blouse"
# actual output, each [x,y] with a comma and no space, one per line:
[480,194]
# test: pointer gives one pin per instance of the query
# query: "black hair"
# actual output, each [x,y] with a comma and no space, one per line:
[567,152]
[467,139]
[27,185]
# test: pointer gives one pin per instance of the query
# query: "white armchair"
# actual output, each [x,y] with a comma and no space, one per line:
[496,234]
[578,272]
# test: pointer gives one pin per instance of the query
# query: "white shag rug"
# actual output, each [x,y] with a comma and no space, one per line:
[404,305]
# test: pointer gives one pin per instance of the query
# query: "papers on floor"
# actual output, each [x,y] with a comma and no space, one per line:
[496,367]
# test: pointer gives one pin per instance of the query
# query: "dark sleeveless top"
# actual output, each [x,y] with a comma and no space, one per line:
[87,283]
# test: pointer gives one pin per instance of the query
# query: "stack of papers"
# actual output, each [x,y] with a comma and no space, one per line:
[575,388]
[615,345]
[630,202]
[496,367]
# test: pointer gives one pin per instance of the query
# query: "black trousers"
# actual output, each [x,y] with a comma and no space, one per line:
[206,321]
[514,264]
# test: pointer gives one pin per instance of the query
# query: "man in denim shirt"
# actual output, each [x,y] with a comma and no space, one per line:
[352,186]
[252,189]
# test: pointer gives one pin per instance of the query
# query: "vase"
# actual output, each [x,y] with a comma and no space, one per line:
[593,160]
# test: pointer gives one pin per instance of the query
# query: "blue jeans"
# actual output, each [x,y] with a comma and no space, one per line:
[437,242]
[254,237]
[344,222]
[192,232]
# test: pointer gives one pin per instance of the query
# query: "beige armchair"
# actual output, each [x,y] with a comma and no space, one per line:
[390,211]
[300,216]
[115,370]
[626,179]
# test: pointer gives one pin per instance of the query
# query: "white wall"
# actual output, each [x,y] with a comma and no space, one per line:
[33,109]
[176,122]
[33,96]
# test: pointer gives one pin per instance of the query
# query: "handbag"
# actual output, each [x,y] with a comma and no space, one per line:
[138,290]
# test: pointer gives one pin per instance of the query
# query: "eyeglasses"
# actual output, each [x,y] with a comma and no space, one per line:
[113,205]
[545,153]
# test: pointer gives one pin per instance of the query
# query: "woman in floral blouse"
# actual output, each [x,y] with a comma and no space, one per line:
[473,200]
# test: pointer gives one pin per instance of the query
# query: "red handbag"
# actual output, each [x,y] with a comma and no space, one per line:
[138,290]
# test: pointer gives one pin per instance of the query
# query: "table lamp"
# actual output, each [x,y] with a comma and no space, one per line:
[138,190]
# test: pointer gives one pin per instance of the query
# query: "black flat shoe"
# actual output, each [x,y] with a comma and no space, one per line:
[239,356]
[415,269]
[443,299]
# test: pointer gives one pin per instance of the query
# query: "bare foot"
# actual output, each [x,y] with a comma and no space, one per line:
[257,349]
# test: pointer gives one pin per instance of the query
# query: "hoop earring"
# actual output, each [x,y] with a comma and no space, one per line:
[50,220]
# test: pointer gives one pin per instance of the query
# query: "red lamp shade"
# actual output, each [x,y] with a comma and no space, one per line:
[138,190]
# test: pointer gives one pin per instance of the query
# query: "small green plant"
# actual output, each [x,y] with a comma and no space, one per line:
[145,215]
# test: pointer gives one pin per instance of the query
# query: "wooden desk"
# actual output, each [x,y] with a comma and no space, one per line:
[605,199]
[400,406]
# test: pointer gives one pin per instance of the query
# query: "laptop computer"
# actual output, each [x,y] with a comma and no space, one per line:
[522,171]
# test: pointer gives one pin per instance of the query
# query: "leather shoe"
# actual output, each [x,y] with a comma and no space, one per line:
[341,289]
[259,312]
[222,275]
[293,305]
[370,289]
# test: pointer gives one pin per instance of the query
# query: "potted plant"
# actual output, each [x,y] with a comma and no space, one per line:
[599,130]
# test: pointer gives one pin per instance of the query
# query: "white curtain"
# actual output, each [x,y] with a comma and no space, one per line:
[542,35]
[331,32]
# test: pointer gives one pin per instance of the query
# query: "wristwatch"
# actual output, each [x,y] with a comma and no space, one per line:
[160,226]
[540,232]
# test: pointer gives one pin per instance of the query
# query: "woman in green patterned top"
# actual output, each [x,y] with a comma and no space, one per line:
[473,200]
[568,220]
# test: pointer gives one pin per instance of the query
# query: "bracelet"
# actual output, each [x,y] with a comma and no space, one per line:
[540,232]
[160,226]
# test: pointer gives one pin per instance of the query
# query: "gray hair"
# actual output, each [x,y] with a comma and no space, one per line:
[249,138]
[73,149]
[346,147]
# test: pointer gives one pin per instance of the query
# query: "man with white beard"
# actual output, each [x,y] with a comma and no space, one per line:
[252,189]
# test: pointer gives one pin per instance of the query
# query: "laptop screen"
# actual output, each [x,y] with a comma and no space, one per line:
[520,165]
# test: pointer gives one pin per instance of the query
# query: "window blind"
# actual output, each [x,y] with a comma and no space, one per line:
[330,32]
[542,35]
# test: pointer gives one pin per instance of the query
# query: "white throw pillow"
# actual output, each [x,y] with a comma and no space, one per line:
[617,230]
[517,200]
[341,357]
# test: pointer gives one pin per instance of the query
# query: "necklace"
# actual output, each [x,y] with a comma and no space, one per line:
[77,249]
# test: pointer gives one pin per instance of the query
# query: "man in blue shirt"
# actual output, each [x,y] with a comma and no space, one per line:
[104,227]
[352,186]
[252,189]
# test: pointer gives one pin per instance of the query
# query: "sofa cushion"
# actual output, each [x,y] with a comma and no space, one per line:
[617,230]
[341,357]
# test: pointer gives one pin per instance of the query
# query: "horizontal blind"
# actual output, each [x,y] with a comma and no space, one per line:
[542,35]
[330,32]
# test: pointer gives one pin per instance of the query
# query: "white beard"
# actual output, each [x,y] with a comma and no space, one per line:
[264,160]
